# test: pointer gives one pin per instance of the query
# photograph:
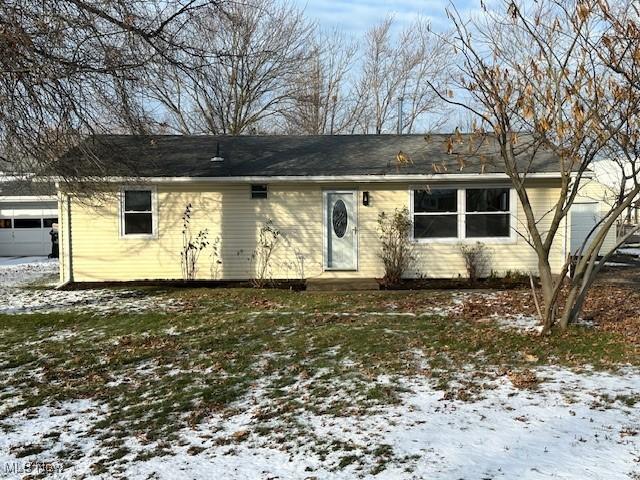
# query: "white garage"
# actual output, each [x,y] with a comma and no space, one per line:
[26,217]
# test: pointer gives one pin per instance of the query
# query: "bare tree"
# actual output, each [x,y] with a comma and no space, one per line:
[534,68]
[319,104]
[617,50]
[54,56]
[265,45]
[393,69]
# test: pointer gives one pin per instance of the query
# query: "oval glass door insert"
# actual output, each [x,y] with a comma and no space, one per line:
[339,218]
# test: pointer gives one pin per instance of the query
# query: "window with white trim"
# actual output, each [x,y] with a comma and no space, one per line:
[137,212]
[435,213]
[487,213]
[456,214]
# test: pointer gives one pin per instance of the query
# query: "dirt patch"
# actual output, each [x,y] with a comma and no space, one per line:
[492,283]
[295,285]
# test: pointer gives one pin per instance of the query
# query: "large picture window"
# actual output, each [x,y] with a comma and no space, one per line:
[137,212]
[455,214]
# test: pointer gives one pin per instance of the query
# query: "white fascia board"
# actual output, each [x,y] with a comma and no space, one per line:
[26,199]
[442,177]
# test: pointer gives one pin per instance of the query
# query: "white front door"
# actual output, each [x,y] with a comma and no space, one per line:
[584,218]
[340,230]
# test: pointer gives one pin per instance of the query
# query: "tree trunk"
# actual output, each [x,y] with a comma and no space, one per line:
[548,294]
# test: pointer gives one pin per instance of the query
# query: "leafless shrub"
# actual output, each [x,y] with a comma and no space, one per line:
[476,259]
[216,259]
[192,246]
[396,248]
[269,237]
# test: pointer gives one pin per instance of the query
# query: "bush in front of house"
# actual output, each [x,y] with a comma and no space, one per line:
[269,238]
[396,249]
[192,246]
[476,259]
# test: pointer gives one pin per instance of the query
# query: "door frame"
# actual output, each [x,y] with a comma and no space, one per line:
[325,226]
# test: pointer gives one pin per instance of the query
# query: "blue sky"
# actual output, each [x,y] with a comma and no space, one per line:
[356,16]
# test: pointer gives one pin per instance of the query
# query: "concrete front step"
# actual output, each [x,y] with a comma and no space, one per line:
[341,284]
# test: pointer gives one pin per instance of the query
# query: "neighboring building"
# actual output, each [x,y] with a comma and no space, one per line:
[27,212]
[613,174]
[324,193]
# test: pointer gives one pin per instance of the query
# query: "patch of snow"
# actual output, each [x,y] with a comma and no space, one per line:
[571,427]
[21,271]
[511,433]
[629,251]
[17,273]
[97,301]
[527,323]
[52,430]
[523,323]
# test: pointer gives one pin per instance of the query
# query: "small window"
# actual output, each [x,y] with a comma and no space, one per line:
[27,223]
[138,213]
[48,222]
[258,191]
[5,223]
[435,213]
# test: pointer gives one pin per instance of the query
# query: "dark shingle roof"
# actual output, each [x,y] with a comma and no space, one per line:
[190,156]
[26,188]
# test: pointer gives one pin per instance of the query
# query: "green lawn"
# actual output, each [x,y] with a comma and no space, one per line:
[160,372]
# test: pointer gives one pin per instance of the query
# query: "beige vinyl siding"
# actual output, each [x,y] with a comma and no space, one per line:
[229,213]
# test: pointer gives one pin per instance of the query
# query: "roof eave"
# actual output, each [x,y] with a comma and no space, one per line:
[441,177]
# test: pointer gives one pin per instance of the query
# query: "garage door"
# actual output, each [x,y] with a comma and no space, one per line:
[24,229]
[584,217]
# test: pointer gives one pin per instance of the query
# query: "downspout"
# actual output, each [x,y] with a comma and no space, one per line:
[565,247]
[69,242]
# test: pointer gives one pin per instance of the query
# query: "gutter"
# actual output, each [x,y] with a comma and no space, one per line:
[27,198]
[331,178]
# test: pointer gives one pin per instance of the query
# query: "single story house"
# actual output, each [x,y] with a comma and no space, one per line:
[323,194]
[27,212]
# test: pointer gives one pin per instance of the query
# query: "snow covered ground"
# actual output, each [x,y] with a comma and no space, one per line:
[21,271]
[630,249]
[18,273]
[546,423]
[573,426]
